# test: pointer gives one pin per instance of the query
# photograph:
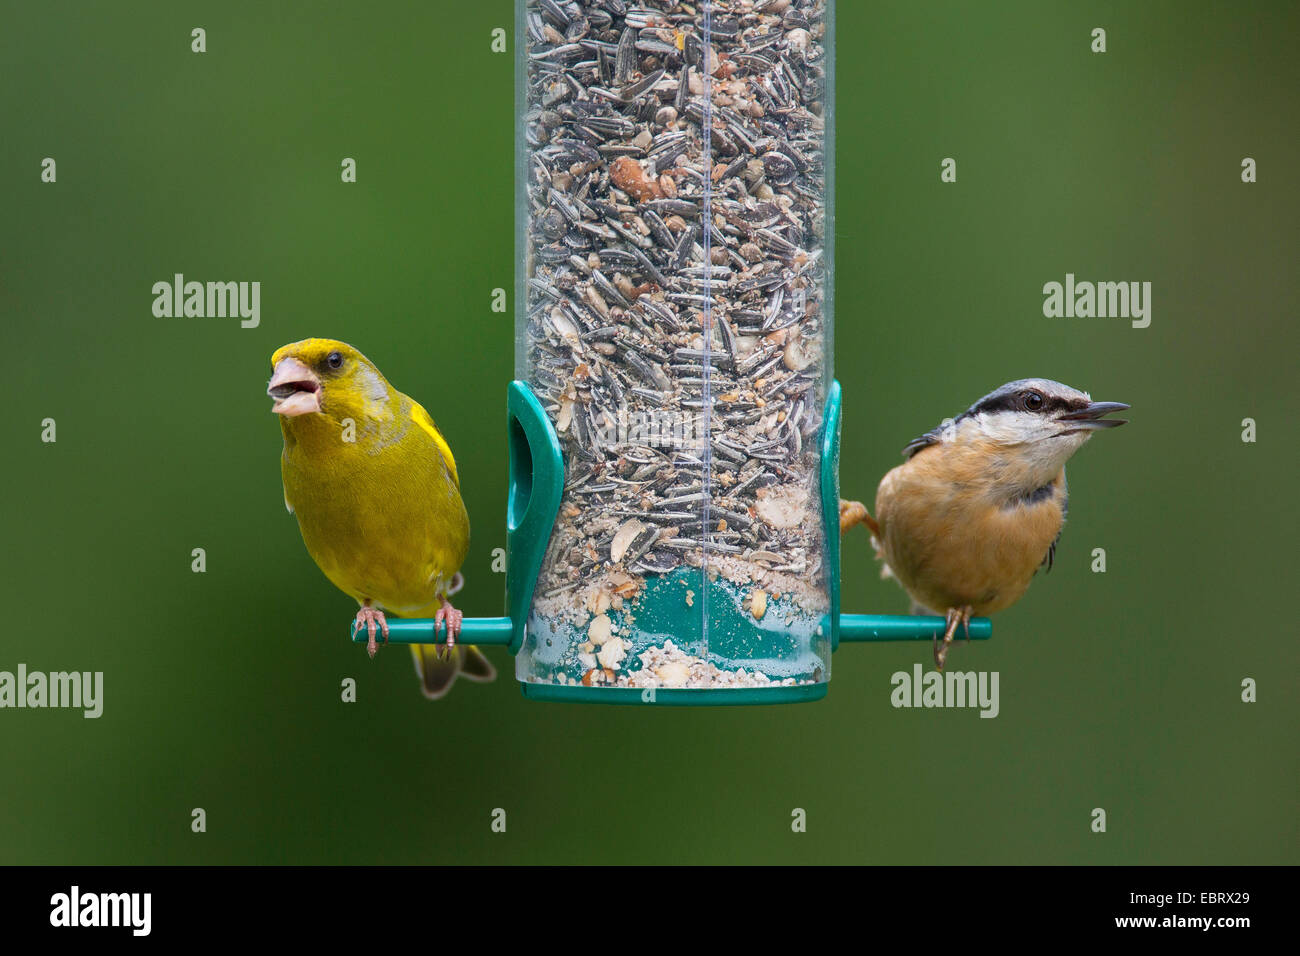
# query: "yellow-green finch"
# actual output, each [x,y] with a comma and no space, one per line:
[374,487]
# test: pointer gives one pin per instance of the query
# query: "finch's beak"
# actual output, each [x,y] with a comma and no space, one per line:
[295,388]
[1090,418]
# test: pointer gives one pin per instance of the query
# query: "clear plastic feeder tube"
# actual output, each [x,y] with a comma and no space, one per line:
[674,321]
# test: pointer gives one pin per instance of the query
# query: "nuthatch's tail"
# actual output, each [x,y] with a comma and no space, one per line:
[855,512]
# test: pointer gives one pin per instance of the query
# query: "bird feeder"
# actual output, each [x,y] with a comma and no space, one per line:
[674,425]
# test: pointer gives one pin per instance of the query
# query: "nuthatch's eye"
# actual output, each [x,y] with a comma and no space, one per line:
[334,360]
[1033,401]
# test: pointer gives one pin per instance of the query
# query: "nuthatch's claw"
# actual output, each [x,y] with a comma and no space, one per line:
[955,616]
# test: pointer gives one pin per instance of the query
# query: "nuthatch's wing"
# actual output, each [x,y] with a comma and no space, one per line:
[932,437]
[1050,558]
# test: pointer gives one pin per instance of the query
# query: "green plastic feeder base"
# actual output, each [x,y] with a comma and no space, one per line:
[536,486]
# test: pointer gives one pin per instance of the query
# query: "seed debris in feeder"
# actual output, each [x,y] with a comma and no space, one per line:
[674,331]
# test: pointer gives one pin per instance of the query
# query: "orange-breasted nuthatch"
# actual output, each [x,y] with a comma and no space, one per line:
[978,506]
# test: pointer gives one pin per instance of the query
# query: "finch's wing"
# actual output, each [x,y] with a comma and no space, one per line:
[284,484]
[425,421]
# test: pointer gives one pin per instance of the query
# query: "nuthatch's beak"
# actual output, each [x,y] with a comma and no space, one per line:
[1090,418]
[295,388]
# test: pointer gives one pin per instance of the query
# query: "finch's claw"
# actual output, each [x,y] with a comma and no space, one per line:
[368,617]
[452,618]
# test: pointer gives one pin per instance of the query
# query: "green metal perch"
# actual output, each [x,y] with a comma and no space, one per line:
[855,628]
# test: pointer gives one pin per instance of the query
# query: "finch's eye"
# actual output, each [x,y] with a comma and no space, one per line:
[1033,401]
[334,360]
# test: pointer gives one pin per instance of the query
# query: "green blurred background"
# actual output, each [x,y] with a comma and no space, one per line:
[1118,690]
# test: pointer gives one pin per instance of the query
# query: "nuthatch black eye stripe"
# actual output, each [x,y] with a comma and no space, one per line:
[1018,397]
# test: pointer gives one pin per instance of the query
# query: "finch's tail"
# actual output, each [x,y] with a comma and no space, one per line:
[438,673]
